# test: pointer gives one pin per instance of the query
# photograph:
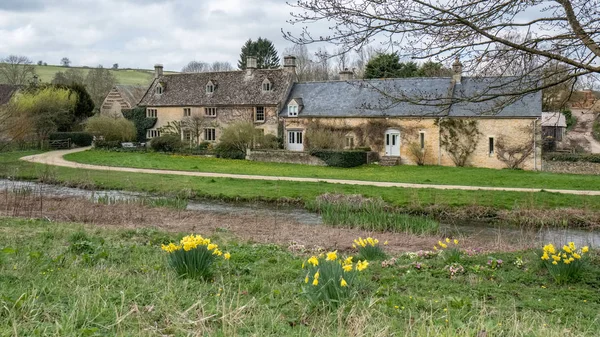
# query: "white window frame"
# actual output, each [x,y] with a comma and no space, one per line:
[159,89]
[210,112]
[151,113]
[187,112]
[210,134]
[293,110]
[349,141]
[264,114]
[152,133]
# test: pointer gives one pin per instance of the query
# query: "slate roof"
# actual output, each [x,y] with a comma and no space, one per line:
[131,94]
[240,87]
[6,92]
[406,97]
[554,119]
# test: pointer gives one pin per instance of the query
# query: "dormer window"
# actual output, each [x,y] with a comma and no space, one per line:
[267,85]
[210,87]
[293,110]
[159,89]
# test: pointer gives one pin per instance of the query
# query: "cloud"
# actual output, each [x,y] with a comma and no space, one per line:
[138,33]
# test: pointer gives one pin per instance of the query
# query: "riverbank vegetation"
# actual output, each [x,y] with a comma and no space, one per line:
[64,279]
[404,173]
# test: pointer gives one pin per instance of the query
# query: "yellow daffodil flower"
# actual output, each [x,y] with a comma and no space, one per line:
[306,279]
[566,261]
[211,246]
[332,256]
[455,241]
[227,256]
[314,261]
[567,249]
[554,262]
[315,282]
[447,240]
[385,243]
[347,268]
[343,283]
[316,277]
[585,249]
[556,257]
[545,256]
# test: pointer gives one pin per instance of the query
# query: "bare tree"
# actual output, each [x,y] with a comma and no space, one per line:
[16,70]
[65,62]
[98,82]
[221,66]
[304,63]
[194,124]
[196,67]
[485,35]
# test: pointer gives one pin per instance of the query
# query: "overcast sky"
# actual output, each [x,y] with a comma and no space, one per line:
[139,33]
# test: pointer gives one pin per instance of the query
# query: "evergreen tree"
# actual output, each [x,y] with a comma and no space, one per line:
[264,51]
[389,66]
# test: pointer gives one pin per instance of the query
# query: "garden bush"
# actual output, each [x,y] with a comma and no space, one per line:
[270,142]
[77,138]
[596,129]
[194,256]
[166,143]
[573,157]
[227,151]
[341,158]
[111,129]
[107,145]
[330,280]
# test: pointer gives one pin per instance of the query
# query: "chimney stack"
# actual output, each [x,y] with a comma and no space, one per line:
[346,75]
[251,63]
[457,70]
[289,64]
[158,70]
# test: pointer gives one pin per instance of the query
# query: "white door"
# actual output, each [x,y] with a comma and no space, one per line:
[392,143]
[295,141]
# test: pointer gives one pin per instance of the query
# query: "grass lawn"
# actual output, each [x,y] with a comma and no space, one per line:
[61,279]
[236,189]
[404,173]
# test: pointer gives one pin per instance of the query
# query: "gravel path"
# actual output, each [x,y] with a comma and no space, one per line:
[55,158]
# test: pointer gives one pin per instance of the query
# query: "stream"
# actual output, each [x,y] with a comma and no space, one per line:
[487,231]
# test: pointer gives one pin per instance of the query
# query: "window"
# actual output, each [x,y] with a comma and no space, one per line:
[491,146]
[159,89]
[210,112]
[152,133]
[292,110]
[187,112]
[266,85]
[259,115]
[151,113]
[349,142]
[187,135]
[295,137]
[210,134]
[210,88]
[422,140]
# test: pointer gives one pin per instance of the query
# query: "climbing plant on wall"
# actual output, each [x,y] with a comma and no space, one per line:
[141,122]
[459,137]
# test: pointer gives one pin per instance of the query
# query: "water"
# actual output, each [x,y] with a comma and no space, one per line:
[487,231]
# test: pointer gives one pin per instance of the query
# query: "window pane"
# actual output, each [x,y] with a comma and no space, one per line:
[393,140]
[299,137]
[491,145]
[387,139]
[422,135]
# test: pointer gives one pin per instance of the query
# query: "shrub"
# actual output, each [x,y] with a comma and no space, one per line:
[318,138]
[450,253]
[141,122]
[111,129]
[596,129]
[166,143]
[227,151]
[417,153]
[573,157]
[77,138]
[240,136]
[194,256]
[329,279]
[564,265]
[341,158]
[270,142]
[107,145]
[569,118]
[369,249]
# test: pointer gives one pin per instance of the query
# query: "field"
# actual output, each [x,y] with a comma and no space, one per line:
[65,279]
[123,76]
[403,173]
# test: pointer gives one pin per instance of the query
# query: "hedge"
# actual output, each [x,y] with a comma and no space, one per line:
[166,143]
[107,145]
[77,138]
[573,157]
[341,158]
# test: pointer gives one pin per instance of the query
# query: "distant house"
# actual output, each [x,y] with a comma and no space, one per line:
[585,99]
[221,98]
[122,97]
[387,116]
[6,93]
[554,125]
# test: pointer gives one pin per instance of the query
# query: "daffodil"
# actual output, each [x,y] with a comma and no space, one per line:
[315,282]
[545,256]
[566,261]
[556,258]
[455,241]
[331,256]
[227,256]
[314,261]
[550,248]
[211,246]
[316,277]
[447,240]
[554,262]
[585,249]
[567,249]
[347,267]
[348,260]
[306,279]
[577,256]
[343,283]
[362,265]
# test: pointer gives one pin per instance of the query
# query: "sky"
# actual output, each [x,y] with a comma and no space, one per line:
[139,33]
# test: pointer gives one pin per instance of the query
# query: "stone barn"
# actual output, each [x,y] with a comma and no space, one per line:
[122,97]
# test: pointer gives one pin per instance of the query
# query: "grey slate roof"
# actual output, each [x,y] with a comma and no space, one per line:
[239,87]
[132,94]
[405,97]
[6,92]
[554,119]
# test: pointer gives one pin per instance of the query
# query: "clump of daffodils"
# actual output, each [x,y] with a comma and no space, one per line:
[449,250]
[564,264]
[329,278]
[194,256]
[369,249]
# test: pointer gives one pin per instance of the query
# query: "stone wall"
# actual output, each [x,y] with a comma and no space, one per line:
[283,156]
[571,167]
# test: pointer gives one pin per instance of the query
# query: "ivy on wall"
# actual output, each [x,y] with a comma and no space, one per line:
[141,122]
[459,137]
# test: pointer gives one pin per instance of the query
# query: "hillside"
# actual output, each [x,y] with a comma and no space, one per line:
[123,76]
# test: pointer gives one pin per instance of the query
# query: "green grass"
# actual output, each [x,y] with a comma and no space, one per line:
[405,173]
[123,76]
[60,279]
[236,189]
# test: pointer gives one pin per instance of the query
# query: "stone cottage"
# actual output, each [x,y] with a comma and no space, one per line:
[554,125]
[217,99]
[432,121]
[122,97]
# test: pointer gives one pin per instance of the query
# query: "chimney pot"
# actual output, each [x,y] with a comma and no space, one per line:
[251,63]
[158,70]
[346,75]
[457,68]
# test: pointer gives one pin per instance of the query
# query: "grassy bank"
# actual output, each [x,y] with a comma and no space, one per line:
[404,173]
[62,279]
